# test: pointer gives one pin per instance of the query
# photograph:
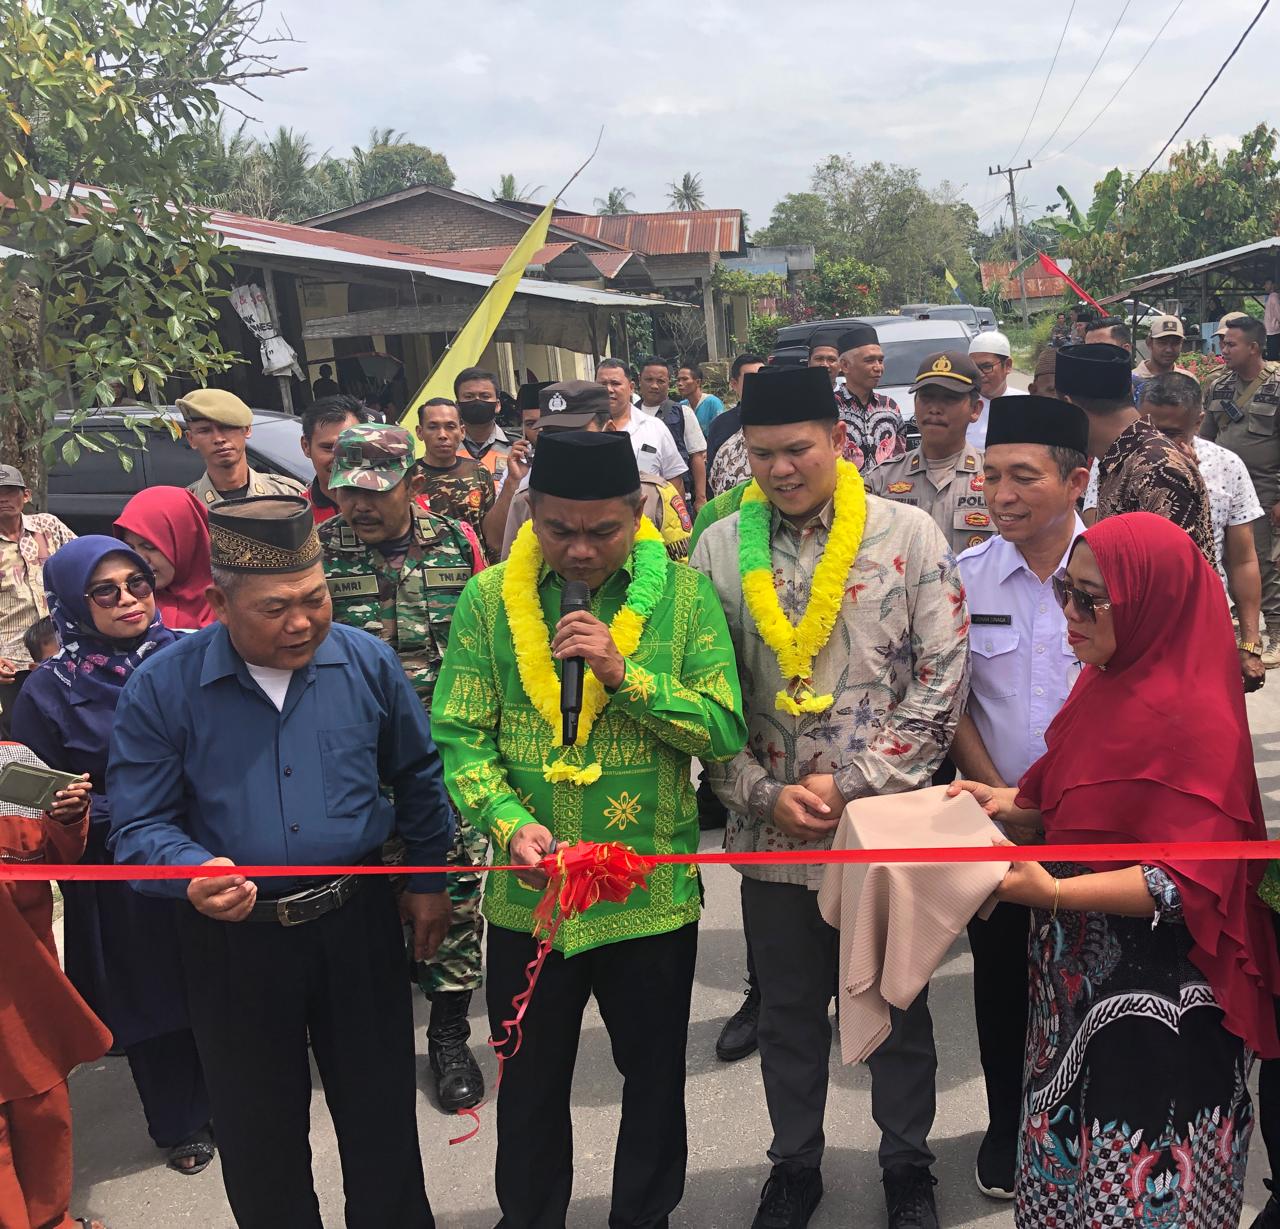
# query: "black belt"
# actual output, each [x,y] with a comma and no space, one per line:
[307,905]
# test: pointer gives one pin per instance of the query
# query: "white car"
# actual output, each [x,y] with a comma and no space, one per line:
[906,344]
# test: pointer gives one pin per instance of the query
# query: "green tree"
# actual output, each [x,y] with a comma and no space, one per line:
[509,189]
[116,285]
[686,194]
[615,202]
[845,287]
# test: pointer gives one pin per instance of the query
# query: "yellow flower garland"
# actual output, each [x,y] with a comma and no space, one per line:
[532,643]
[796,647]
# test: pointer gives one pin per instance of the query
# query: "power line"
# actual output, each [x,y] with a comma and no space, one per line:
[1052,64]
[1204,94]
[1084,84]
[1121,86]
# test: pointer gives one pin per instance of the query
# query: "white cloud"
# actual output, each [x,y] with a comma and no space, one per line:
[751,94]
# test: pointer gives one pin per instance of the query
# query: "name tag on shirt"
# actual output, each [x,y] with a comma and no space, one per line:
[991,620]
[449,577]
[354,586]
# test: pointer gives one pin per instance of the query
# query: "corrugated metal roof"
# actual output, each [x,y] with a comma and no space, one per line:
[609,263]
[1205,263]
[491,259]
[1038,286]
[713,231]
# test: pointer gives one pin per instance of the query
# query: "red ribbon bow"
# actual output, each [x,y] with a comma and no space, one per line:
[579,876]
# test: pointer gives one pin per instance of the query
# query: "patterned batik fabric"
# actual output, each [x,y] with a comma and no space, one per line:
[1136,1111]
[1145,471]
[679,699]
[896,665]
[875,432]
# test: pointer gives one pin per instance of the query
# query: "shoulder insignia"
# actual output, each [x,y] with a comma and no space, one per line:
[347,537]
[900,488]
[259,487]
[210,497]
[977,520]
[970,463]
[915,462]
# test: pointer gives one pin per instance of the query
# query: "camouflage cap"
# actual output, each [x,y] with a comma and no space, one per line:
[372,457]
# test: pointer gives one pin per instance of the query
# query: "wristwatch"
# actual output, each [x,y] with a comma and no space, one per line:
[1253,649]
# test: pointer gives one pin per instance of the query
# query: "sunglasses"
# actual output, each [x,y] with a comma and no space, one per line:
[108,594]
[1087,605]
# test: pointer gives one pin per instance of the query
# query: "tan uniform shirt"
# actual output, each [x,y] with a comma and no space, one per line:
[957,506]
[1255,438]
[259,484]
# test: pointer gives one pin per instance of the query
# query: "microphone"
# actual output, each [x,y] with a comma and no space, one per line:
[574,596]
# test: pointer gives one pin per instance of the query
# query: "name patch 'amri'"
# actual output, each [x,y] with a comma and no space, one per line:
[365,585]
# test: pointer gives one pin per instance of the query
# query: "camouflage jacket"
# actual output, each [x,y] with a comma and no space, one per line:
[409,606]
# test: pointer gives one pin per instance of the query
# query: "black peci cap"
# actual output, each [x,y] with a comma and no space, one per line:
[789,395]
[857,336]
[1096,370]
[585,465]
[1038,420]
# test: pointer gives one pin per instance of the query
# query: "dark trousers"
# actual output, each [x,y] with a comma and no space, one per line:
[256,992]
[795,955]
[643,988]
[8,694]
[1000,997]
[170,1083]
[1273,346]
[1269,1095]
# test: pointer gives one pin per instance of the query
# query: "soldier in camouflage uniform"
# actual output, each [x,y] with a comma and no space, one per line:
[397,571]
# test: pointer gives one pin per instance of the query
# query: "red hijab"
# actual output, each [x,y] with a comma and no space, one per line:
[1156,747]
[177,524]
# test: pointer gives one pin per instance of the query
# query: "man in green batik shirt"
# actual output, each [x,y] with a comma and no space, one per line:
[397,571]
[675,697]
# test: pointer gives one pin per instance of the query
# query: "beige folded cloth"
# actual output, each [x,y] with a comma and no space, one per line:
[897,920]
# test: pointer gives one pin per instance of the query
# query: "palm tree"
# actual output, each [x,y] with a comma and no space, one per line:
[615,202]
[508,190]
[687,194]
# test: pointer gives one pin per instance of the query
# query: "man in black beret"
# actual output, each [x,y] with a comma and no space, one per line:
[1139,468]
[264,740]
[870,714]
[626,778]
[1034,471]
[874,430]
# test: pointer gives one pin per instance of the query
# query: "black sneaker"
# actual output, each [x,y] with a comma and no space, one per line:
[908,1195]
[788,1198]
[738,1037]
[1269,1217]
[997,1163]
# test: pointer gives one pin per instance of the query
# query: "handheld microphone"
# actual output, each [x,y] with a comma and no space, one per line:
[575,596]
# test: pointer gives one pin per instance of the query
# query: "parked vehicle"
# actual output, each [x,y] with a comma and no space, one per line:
[976,318]
[791,349]
[89,495]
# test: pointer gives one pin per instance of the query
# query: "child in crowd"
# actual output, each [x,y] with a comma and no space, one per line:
[41,639]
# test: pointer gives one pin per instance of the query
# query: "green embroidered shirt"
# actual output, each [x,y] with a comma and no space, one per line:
[680,698]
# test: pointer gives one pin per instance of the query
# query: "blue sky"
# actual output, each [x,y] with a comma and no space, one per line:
[750,95]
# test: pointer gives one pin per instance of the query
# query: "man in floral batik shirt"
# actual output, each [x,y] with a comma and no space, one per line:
[878,704]
[665,687]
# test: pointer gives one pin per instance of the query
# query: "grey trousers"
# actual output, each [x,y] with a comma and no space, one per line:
[1267,541]
[795,955]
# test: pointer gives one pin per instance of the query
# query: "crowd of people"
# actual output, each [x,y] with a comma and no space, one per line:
[1033,605]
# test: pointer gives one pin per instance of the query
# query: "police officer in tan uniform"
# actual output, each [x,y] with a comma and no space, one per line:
[583,405]
[1241,408]
[218,425]
[944,474]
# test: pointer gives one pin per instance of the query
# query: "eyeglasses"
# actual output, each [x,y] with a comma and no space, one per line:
[987,368]
[108,594]
[1086,604]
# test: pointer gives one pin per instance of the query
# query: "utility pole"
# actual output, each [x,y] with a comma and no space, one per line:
[1017,234]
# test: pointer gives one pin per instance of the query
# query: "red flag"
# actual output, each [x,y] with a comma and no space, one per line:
[1053,271]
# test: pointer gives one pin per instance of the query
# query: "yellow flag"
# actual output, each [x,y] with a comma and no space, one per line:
[475,335]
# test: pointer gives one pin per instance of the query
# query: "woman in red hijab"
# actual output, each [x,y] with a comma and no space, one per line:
[1151,985]
[169,528]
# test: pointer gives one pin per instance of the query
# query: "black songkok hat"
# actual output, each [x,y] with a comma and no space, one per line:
[585,465]
[793,394]
[1038,420]
[825,337]
[1096,370]
[858,335]
[527,396]
[267,533]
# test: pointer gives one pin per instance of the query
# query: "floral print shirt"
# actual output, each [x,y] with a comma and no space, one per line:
[22,600]
[896,665]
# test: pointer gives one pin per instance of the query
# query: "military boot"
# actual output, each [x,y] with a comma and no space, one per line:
[459,1084]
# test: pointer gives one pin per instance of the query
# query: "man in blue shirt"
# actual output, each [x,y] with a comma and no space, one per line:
[707,406]
[264,739]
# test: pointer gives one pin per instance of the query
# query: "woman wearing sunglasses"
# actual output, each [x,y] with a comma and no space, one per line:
[1151,984]
[121,946]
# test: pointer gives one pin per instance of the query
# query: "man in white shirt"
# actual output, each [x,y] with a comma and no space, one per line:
[654,445]
[1021,671]
[991,353]
[1271,319]
[1173,403]
[680,420]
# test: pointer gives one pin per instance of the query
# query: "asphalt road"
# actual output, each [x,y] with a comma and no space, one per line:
[119,1176]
